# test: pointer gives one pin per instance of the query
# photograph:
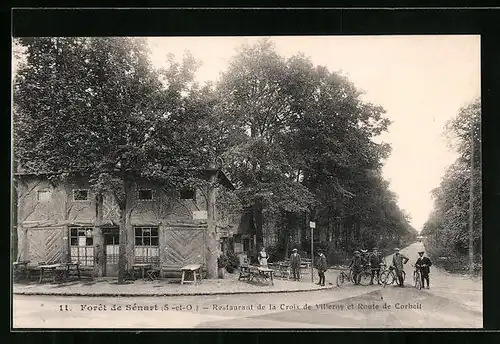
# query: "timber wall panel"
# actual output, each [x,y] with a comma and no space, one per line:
[45,245]
[181,246]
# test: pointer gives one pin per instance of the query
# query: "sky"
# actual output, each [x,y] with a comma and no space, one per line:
[421,81]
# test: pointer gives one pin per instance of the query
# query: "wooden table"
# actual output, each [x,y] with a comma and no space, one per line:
[265,273]
[143,267]
[258,273]
[48,267]
[194,269]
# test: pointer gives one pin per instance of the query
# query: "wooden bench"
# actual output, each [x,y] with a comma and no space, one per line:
[194,270]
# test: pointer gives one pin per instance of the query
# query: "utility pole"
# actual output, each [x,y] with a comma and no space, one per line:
[471,202]
[312,225]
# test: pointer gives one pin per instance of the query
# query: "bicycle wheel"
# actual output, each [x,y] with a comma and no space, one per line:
[418,281]
[384,278]
[351,276]
[365,278]
[341,279]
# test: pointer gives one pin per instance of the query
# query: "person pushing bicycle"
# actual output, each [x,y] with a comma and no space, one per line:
[398,260]
[356,265]
[423,264]
[375,261]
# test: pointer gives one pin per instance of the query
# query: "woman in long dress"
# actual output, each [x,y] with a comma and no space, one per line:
[263,257]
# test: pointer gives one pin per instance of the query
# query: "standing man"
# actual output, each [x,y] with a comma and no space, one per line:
[375,260]
[99,261]
[424,263]
[366,256]
[356,265]
[321,266]
[398,260]
[295,264]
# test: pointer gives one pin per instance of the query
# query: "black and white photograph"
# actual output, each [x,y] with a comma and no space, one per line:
[258,182]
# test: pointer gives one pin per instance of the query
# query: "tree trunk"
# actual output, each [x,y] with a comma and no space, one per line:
[211,243]
[99,249]
[122,248]
[257,215]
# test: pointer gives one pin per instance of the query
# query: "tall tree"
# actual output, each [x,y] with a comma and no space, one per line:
[309,142]
[447,227]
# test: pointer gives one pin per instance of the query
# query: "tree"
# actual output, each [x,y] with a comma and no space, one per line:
[447,226]
[307,144]
[252,92]
[95,106]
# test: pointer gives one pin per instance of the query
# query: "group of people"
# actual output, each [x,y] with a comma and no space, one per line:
[361,260]
[374,261]
[295,262]
[321,266]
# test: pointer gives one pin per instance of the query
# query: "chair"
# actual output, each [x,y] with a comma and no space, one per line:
[153,274]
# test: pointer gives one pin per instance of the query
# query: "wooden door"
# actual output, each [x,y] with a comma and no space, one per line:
[111,249]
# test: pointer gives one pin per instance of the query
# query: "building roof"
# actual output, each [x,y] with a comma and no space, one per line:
[221,176]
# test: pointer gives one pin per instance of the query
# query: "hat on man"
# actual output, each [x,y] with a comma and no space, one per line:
[396,249]
[375,248]
[364,251]
[356,252]
[294,250]
[420,252]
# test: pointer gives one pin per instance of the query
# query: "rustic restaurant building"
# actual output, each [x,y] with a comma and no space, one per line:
[61,222]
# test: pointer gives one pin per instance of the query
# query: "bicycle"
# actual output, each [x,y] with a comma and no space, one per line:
[343,277]
[388,276]
[365,276]
[417,278]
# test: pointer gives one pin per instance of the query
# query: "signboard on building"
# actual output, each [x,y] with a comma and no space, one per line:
[223,232]
[200,215]
[312,224]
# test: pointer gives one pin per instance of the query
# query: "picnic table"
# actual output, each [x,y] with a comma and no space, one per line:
[194,269]
[257,273]
[48,268]
[53,270]
[142,267]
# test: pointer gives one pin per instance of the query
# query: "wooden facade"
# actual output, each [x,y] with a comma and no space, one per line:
[65,222]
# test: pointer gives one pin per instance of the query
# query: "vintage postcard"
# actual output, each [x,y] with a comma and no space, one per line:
[246,182]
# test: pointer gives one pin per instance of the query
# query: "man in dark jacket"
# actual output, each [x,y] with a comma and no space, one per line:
[99,261]
[321,266]
[295,264]
[398,260]
[424,263]
[356,265]
[375,260]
